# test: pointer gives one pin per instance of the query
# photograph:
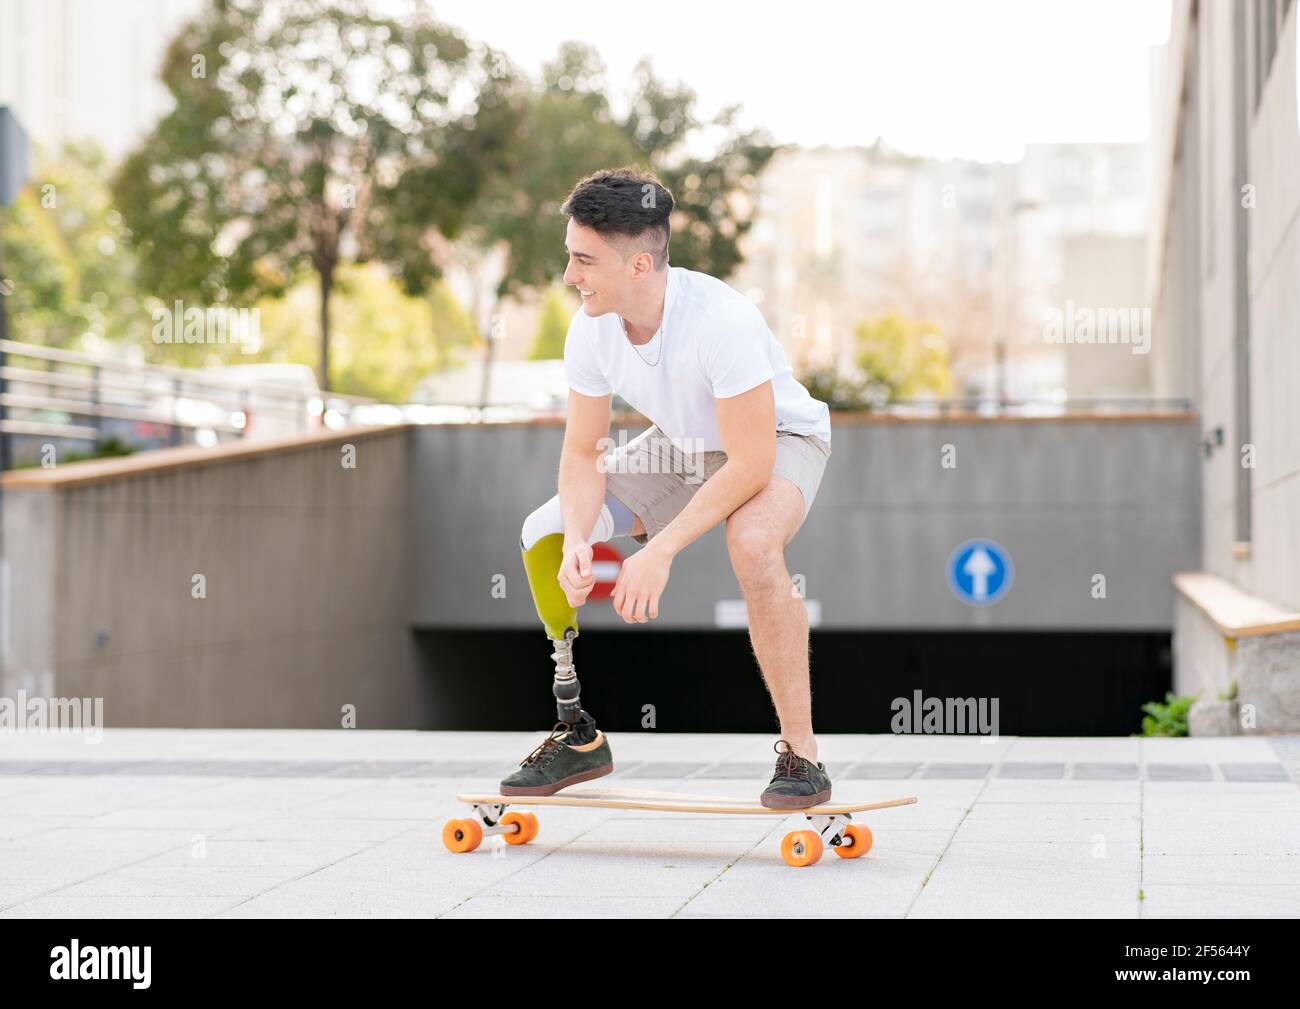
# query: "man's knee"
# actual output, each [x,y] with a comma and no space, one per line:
[756,551]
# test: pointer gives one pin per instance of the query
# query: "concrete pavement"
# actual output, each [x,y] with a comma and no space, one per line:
[292,823]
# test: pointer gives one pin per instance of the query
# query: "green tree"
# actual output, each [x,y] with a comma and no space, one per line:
[40,276]
[63,246]
[565,129]
[553,327]
[513,238]
[715,196]
[384,339]
[903,357]
[571,131]
[838,390]
[295,122]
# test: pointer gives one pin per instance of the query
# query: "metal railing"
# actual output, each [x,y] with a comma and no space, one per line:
[63,394]
[1041,406]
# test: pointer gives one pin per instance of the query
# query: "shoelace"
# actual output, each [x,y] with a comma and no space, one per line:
[788,763]
[548,748]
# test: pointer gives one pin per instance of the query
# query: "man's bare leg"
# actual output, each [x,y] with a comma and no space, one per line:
[757,534]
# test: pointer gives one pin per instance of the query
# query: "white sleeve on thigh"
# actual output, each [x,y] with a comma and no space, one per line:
[544,521]
[549,518]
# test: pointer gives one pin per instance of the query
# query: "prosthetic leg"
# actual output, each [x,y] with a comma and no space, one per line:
[542,565]
[542,546]
[575,750]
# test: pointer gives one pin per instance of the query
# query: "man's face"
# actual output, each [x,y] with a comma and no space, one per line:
[597,270]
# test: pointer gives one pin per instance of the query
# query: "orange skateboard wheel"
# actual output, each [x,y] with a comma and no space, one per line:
[527,827]
[462,835]
[855,842]
[801,847]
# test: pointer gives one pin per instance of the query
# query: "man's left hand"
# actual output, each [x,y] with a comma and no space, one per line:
[641,581]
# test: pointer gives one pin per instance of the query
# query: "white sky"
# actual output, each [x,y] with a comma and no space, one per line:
[975,79]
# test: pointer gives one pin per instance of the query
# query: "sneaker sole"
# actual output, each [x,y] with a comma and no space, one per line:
[552,788]
[794,801]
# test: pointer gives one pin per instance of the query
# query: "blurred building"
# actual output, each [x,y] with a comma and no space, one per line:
[1224,264]
[71,69]
[847,233]
[1075,244]
[983,250]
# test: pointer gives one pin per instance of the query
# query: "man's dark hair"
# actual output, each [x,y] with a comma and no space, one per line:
[626,207]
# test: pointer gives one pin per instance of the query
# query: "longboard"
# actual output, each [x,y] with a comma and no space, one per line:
[829,823]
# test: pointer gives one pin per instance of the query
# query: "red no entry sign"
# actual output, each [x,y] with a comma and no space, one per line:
[606,562]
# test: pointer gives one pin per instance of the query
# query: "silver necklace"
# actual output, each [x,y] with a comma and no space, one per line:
[651,340]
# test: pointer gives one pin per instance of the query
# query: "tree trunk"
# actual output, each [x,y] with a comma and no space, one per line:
[326,285]
[486,388]
[476,310]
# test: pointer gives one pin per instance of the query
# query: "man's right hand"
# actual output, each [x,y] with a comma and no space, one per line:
[576,578]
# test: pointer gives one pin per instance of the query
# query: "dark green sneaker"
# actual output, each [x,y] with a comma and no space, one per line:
[797,783]
[555,764]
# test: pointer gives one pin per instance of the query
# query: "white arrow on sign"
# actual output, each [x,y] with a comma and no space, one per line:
[605,571]
[979,565]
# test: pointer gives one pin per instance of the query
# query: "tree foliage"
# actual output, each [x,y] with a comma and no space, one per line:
[903,357]
[65,256]
[568,130]
[295,124]
[553,325]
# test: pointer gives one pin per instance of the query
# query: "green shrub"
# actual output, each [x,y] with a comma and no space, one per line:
[107,449]
[840,391]
[1168,719]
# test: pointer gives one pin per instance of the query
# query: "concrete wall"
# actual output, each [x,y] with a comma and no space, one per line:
[1069,498]
[316,574]
[307,574]
[1273,568]
[1244,686]
[1225,267]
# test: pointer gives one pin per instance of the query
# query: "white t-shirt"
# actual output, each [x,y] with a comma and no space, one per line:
[714,344]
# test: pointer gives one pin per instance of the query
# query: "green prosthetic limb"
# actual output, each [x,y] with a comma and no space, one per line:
[542,564]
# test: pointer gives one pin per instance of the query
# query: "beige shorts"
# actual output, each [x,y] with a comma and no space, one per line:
[656,478]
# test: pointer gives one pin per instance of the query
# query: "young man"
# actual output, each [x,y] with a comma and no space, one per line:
[743,442]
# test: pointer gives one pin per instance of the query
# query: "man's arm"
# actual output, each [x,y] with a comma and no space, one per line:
[582,490]
[747,424]
[582,483]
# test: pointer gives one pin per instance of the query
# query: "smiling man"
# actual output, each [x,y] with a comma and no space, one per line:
[746,444]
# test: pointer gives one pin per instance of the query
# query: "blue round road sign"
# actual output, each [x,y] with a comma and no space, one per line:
[980,572]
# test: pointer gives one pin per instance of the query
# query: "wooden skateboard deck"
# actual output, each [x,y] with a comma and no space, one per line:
[829,822]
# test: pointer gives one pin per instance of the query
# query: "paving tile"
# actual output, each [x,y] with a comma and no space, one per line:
[1014,769]
[1254,772]
[956,770]
[1104,771]
[1179,772]
[882,769]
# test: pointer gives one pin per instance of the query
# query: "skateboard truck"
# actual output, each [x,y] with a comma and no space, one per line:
[823,823]
[492,818]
